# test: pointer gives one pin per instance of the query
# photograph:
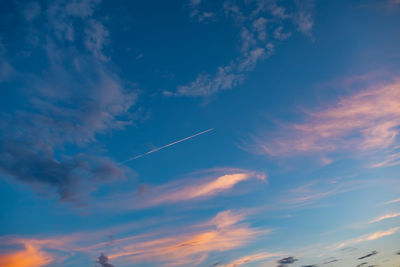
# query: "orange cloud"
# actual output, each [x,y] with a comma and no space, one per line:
[369,237]
[222,233]
[386,216]
[191,246]
[206,184]
[367,120]
[30,256]
[207,188]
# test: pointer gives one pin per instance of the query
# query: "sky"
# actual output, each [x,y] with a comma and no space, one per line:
[199,133]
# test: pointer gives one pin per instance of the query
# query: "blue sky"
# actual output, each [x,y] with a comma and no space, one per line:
[199,133]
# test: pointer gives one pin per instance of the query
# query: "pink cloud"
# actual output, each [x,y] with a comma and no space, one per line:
[204,187]
[364,121]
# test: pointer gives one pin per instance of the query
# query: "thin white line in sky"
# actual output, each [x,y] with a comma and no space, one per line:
[171,144]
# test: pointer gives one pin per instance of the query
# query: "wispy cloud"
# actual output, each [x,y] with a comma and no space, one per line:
[256,257]
[207,188]
[103,261]
[392,201]
[369,237]
[286,261]
[191,246]
[29,256]
[197,11]
[74,98]
[391,160]
[384,217]
[171,144]
[368,255]
[317,190]
[364,121]
[256,44]
[206,184]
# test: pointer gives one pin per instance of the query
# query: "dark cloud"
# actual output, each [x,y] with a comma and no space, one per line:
[362,264]
[398,252]
[286,261]
[31,164]
[369,255]
[330,260]
[71,97]
[103,261]
[310,265]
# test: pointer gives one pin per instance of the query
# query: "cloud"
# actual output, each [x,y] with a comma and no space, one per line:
[249,259]
[205,85]
[317,190]
[30,256]
[392,201]
[364,121]
[391,160]
[369,237]
[198,186]
[384,217]
[208,188]
[368,255]
[96,38]
[330,260]
[103,261]
[190,248]
[198,12]
[216,182]
[6,69]
[32,11]
[168,145]
[72,97]
[304,19]
[254,38]
[286,261]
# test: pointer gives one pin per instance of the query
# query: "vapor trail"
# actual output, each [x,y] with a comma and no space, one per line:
[171,144]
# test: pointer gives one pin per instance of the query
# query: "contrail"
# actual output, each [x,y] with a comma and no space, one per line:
[171,144]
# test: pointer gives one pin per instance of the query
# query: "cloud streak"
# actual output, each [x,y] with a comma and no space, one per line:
[30,256]
[171,144]
[369,237]
[205,185]
[384,217]
[392,201]
[208,188]
[364,121]
[190,248]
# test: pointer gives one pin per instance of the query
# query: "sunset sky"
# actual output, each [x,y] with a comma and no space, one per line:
[226,133]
